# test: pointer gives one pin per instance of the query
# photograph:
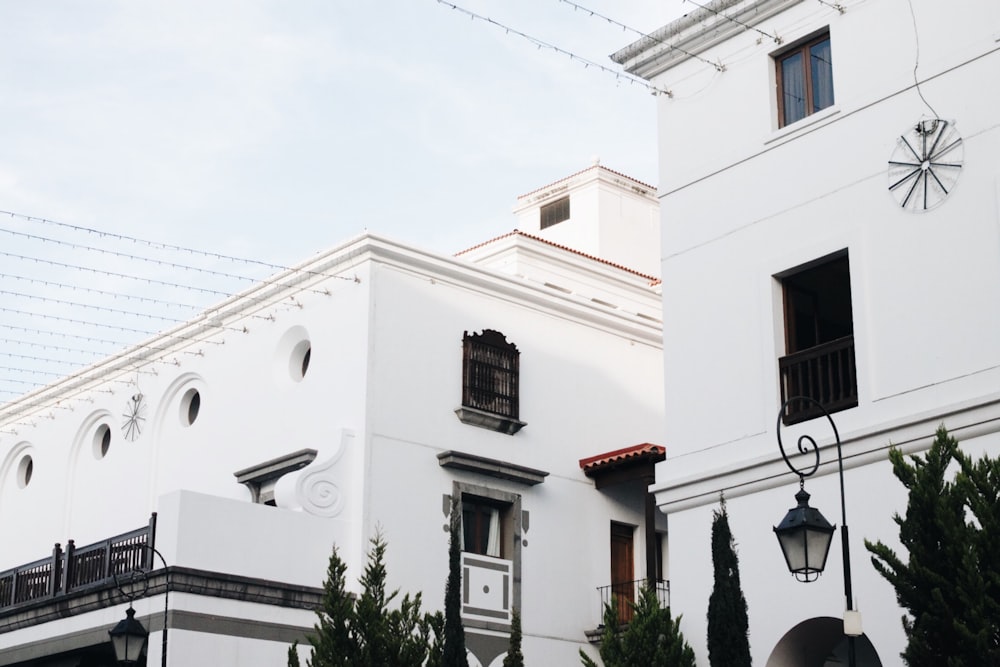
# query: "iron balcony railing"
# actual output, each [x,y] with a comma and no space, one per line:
[626,594]
[825,373]
[78,568]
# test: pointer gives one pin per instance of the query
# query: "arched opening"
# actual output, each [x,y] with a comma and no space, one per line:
[820,642]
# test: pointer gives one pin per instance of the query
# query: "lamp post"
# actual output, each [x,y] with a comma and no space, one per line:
[129,637]
[805,535]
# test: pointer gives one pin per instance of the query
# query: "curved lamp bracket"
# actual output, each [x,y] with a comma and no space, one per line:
[806,443]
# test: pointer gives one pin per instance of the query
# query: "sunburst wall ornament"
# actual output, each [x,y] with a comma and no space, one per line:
[134,417]
[925,165]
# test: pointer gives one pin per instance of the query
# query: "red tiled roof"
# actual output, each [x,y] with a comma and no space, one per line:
[645,450]
[583,171]
[653,280]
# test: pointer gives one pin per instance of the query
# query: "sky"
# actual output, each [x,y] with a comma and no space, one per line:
[273,130]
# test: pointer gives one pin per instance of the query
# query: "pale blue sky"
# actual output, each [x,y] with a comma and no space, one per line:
[263,126]
[274,129]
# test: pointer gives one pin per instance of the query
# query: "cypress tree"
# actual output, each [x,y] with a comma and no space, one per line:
[453,652]
[728,644]
[365,632]
[949,583]
[514,658]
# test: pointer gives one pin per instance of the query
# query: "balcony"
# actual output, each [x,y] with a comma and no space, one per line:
[77,568]
[487,591]
[825,373]
[625,595]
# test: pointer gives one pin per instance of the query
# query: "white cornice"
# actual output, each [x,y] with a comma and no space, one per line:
[911,434]
[695,33]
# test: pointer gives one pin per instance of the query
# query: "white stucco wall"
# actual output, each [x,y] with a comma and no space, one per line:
[742,201]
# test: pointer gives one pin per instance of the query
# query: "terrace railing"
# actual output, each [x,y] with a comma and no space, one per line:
[626,593]
[78,568]
[825,373]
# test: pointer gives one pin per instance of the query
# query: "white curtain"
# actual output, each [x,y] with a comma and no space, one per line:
[493,541]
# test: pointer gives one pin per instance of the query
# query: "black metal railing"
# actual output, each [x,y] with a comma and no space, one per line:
[825,373]
[73,569]
[625,594]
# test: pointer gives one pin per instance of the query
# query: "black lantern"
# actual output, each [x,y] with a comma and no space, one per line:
[129,639]
[804,535]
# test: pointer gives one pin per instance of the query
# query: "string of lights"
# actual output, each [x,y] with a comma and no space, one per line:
[158,245]
[619,75]
[718,66]
[91,306]
[777,39]
[100,292]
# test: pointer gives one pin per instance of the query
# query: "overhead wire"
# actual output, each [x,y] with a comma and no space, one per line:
[618,74]
[576,6]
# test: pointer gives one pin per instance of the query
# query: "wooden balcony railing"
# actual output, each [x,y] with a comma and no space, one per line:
[74,569]
[626,593]
[825,373]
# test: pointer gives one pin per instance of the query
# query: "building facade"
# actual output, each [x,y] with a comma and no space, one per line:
[357,393]
[830,229]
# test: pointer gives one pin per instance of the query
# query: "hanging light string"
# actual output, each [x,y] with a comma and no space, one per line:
[777,40]
[718,66]
[103,309]
[833,5]
[125,255]
[113,274]
[656,90]
[92,290]
[164,246]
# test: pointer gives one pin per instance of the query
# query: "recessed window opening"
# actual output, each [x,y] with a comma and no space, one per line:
[298,363]
[804,76]
[102,441]
[490,373]
[819,338]
[25,469]
[485,529]
[555,212]
[190,407]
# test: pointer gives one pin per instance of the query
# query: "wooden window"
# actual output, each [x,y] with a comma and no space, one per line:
[819,338]
[805,79]
[483,526]
[555,212]
[490,373]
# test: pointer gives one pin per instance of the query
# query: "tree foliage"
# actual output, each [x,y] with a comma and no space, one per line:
[950,584]
[514,657]
[728,643]
[652,639]
[364,631]
[453,651]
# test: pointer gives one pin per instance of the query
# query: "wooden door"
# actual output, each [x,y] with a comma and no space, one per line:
[622,569]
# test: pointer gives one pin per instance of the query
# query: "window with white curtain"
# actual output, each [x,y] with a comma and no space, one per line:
[805,79]
[482,527]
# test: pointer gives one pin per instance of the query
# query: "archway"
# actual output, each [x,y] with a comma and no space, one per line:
[820,642]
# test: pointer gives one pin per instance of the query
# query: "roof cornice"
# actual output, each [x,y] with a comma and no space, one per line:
[695,33]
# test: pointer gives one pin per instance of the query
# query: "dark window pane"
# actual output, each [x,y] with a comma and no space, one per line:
[793,87]
[822,75]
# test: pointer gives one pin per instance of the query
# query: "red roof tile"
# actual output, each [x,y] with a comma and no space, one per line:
[653,280]
[621,455]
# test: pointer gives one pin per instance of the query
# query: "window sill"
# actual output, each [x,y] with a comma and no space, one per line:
[800,125]
[489,420]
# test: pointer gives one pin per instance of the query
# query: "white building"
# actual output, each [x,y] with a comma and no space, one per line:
[787,252]
[357,392]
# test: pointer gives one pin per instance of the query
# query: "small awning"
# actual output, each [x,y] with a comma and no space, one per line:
[622,465]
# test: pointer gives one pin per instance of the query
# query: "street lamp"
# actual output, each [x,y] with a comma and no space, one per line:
[128,638]
[805,535]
